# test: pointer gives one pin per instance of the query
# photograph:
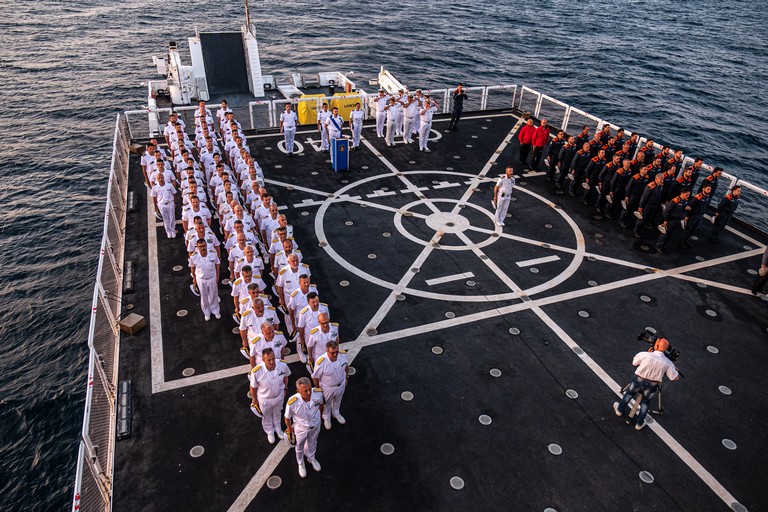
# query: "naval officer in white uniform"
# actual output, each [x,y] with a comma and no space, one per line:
[425,115]
[288,122]
[322,117]
[302,417]
[163,194]
[204,267]
[502,193]
[356,125]
[391,111]
[268,386]
[331,376]
[380,103]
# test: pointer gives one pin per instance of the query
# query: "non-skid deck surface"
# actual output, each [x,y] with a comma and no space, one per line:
[551,303]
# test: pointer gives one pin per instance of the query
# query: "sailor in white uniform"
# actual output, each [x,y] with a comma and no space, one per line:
[306,320]
[399,103]
[391,110]
[320,335]
[425,115]
[302,417]
[356,125]
[270,338]
[419,97]
[322,117]
[502,193]
[288,122]
[163,195]
[204,266]
[268,388]
[333,125]
[330,375]
[410,114]
[380,103]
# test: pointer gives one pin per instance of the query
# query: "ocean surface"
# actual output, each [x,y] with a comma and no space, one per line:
[690,73]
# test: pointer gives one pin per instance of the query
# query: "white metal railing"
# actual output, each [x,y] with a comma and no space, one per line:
[93,477]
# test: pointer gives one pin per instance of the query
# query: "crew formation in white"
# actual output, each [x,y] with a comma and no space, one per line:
[216,173]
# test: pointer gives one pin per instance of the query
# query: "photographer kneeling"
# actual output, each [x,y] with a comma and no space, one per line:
[652,366]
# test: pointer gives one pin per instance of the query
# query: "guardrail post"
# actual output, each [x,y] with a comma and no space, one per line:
[538,106]
[250,111]
[484,99]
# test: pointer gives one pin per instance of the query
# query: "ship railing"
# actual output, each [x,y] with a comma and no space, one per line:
[93,478]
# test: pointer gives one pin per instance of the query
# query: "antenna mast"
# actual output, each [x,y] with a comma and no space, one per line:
[247,18]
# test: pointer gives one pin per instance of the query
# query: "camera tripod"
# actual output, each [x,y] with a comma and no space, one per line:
[636,405]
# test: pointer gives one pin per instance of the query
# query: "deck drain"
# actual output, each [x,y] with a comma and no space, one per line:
[235,330]
[449,168]
[371,256]
[178,268]
[483,257]
[555,449]
[572,393]
[712,349]
[387,449]
[278,166]
[729,444]
[304,214]
[591,258]
[645,248]
[363,206]
[274,482]
[750,271]
[471,283]
[225,281]
[407,396]
[450,314]
[725,390]
[646,477]
[694,237]
[599,235]
[411,162]
[129,307]
[533,270]
[386,234]
[401,298]
[592,283]
[457,483]
[287,350]
[583,314]
[578,351]
[456,157]
[508,216]
[349,223]
[546,246]
[462,205]
[495,372]
[700,258]
[649,270]
[469,145]
[182,313]
[484,127]
[408,214]
[188,372]
[344,283]
[700,284]
[196,451]
[323,243]
[314,173]
[371,332]
[711,313]
[352,370]
[415,270]
[289,187]
[484,419]
[548,226]
[437,350]
[645,298]
[550,509]
[747,247]
[651,330]
[474,136]
[738,507]
[345,181]
[514,331]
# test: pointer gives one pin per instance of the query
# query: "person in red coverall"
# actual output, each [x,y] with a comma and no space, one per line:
[525,136]
[540,139]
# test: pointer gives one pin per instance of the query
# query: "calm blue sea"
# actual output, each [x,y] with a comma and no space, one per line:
[691,73]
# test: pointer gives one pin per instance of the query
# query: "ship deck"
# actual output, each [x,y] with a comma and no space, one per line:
[510,324]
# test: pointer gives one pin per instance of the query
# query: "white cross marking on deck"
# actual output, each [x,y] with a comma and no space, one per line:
[445,184]
[538,261]
[413,190]
[380,193]
[308,202]
[448,279]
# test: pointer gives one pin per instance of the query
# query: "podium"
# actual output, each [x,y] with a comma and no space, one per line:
[340,154]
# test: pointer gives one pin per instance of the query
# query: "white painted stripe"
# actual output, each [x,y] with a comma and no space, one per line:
[538,261]
[448,279]
[533,174]
[260,478]
[155,322]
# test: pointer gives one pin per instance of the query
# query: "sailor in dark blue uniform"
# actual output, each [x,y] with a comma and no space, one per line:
[553,155]
[673,214]
[458,105]
[578,166]
[697,207]
[681,182]
[582,137]
[725,210]
[635,188]
[634,140]
[591,175]
[648,150]
[618,187]
[565,157]
[604,183]
[712,180]
[649,204]
[695,171]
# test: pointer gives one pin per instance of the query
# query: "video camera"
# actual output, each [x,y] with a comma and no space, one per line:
[650,338]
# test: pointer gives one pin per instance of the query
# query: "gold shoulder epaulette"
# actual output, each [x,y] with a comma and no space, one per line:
[255,368]
[294,292]
[314,330]
[342,351]
[303,310]
[320,360]
[247,312]
[245,300]
[239,280]
[319,390]
[292,399]
[335,324]
[283,270]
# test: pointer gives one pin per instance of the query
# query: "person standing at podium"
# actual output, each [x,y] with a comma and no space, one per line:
[356,125]
[288,121]
[333,125]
